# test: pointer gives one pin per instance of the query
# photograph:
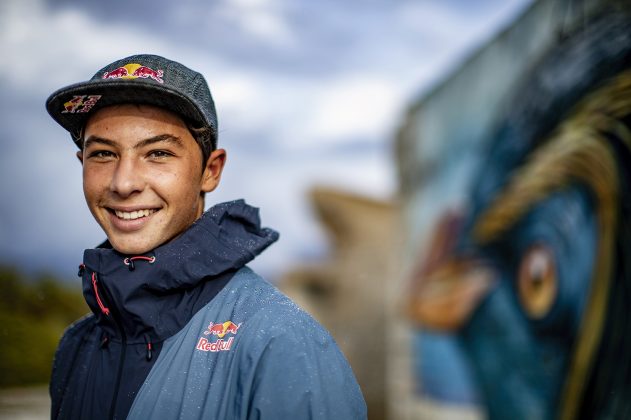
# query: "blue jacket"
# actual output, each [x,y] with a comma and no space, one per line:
[188,332]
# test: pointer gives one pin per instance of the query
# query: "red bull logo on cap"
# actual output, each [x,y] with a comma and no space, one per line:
[220,330]
[134,71]
[80,104]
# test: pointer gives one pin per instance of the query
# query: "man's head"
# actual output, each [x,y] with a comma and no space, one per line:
[147,130]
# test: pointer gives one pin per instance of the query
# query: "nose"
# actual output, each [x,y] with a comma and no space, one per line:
[127,178]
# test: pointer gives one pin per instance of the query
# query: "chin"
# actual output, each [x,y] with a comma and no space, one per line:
[131,248]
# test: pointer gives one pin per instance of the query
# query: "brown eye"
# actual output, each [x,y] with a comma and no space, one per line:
[537,282]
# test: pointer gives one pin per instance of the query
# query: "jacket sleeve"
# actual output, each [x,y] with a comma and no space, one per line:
[301,374]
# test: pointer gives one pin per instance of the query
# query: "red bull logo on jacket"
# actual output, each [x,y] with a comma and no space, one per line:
[220,330]
[134,71]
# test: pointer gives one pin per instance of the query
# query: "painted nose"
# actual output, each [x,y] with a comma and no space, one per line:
[127,178]
[445,299]
[447,288]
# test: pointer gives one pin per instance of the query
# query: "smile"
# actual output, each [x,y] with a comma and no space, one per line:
[133,215]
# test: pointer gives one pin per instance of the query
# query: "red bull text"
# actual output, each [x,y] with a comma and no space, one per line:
[219,345]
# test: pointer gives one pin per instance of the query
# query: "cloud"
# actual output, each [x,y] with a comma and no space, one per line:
[306,94]
[52,48]
[260,19]
[302,114]
[351,107]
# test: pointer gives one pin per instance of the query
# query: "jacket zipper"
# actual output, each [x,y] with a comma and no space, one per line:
[116,317]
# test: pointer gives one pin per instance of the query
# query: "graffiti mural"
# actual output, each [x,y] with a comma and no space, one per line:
[533,278]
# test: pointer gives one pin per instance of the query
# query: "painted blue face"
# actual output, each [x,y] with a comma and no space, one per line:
[513,361]
[519,359]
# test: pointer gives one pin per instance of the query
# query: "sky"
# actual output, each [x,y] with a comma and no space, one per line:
[308,93]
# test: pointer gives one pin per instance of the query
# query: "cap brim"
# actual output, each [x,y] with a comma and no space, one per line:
[115,92]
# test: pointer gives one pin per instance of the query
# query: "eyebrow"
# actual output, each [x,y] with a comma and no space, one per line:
[167,138]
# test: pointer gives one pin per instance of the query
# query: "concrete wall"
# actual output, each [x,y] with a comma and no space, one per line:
[440,146]
[444,135]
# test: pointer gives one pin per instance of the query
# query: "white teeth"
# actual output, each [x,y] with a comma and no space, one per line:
[134,214]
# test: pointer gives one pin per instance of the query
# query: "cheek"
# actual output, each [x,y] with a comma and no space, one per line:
[170,180]
[93,182]
[182,183]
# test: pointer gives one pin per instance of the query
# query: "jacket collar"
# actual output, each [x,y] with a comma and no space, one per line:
[151,298]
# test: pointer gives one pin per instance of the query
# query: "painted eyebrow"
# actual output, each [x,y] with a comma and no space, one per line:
[167,138]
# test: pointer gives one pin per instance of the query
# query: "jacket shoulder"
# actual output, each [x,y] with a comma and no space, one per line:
[250,353]
[69,346]
[79,327]
[316,380]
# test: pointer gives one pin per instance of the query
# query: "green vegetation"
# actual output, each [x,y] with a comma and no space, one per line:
[33,315]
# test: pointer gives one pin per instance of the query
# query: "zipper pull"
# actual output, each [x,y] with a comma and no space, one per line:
[105,340]
[149,348]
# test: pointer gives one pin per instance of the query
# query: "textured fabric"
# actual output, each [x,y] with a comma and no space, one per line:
[277,363]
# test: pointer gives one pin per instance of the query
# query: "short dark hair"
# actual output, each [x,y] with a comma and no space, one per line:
[206,137]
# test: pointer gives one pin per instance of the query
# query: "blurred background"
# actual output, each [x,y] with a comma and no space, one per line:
[377,137]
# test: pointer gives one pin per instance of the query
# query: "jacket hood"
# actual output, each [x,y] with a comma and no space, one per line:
[155,294]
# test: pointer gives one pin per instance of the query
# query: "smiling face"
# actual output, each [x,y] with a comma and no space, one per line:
[143,178]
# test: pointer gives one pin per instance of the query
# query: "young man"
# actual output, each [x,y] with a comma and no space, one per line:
[180,329]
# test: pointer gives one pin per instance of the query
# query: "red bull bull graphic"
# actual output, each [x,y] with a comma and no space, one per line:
[220,330]
[116,73]
[80,104]
[134,71]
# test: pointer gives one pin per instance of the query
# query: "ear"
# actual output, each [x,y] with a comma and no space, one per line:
[80,156]
[213,169]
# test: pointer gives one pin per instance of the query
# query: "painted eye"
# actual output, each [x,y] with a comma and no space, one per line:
[537,283]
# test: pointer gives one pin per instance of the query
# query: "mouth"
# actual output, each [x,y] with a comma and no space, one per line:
[132,215]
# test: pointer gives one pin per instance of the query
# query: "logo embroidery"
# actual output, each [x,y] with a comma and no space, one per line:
[220,330]
[80,104]
[134,71]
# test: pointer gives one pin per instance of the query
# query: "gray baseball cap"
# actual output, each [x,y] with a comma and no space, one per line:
[139,79]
